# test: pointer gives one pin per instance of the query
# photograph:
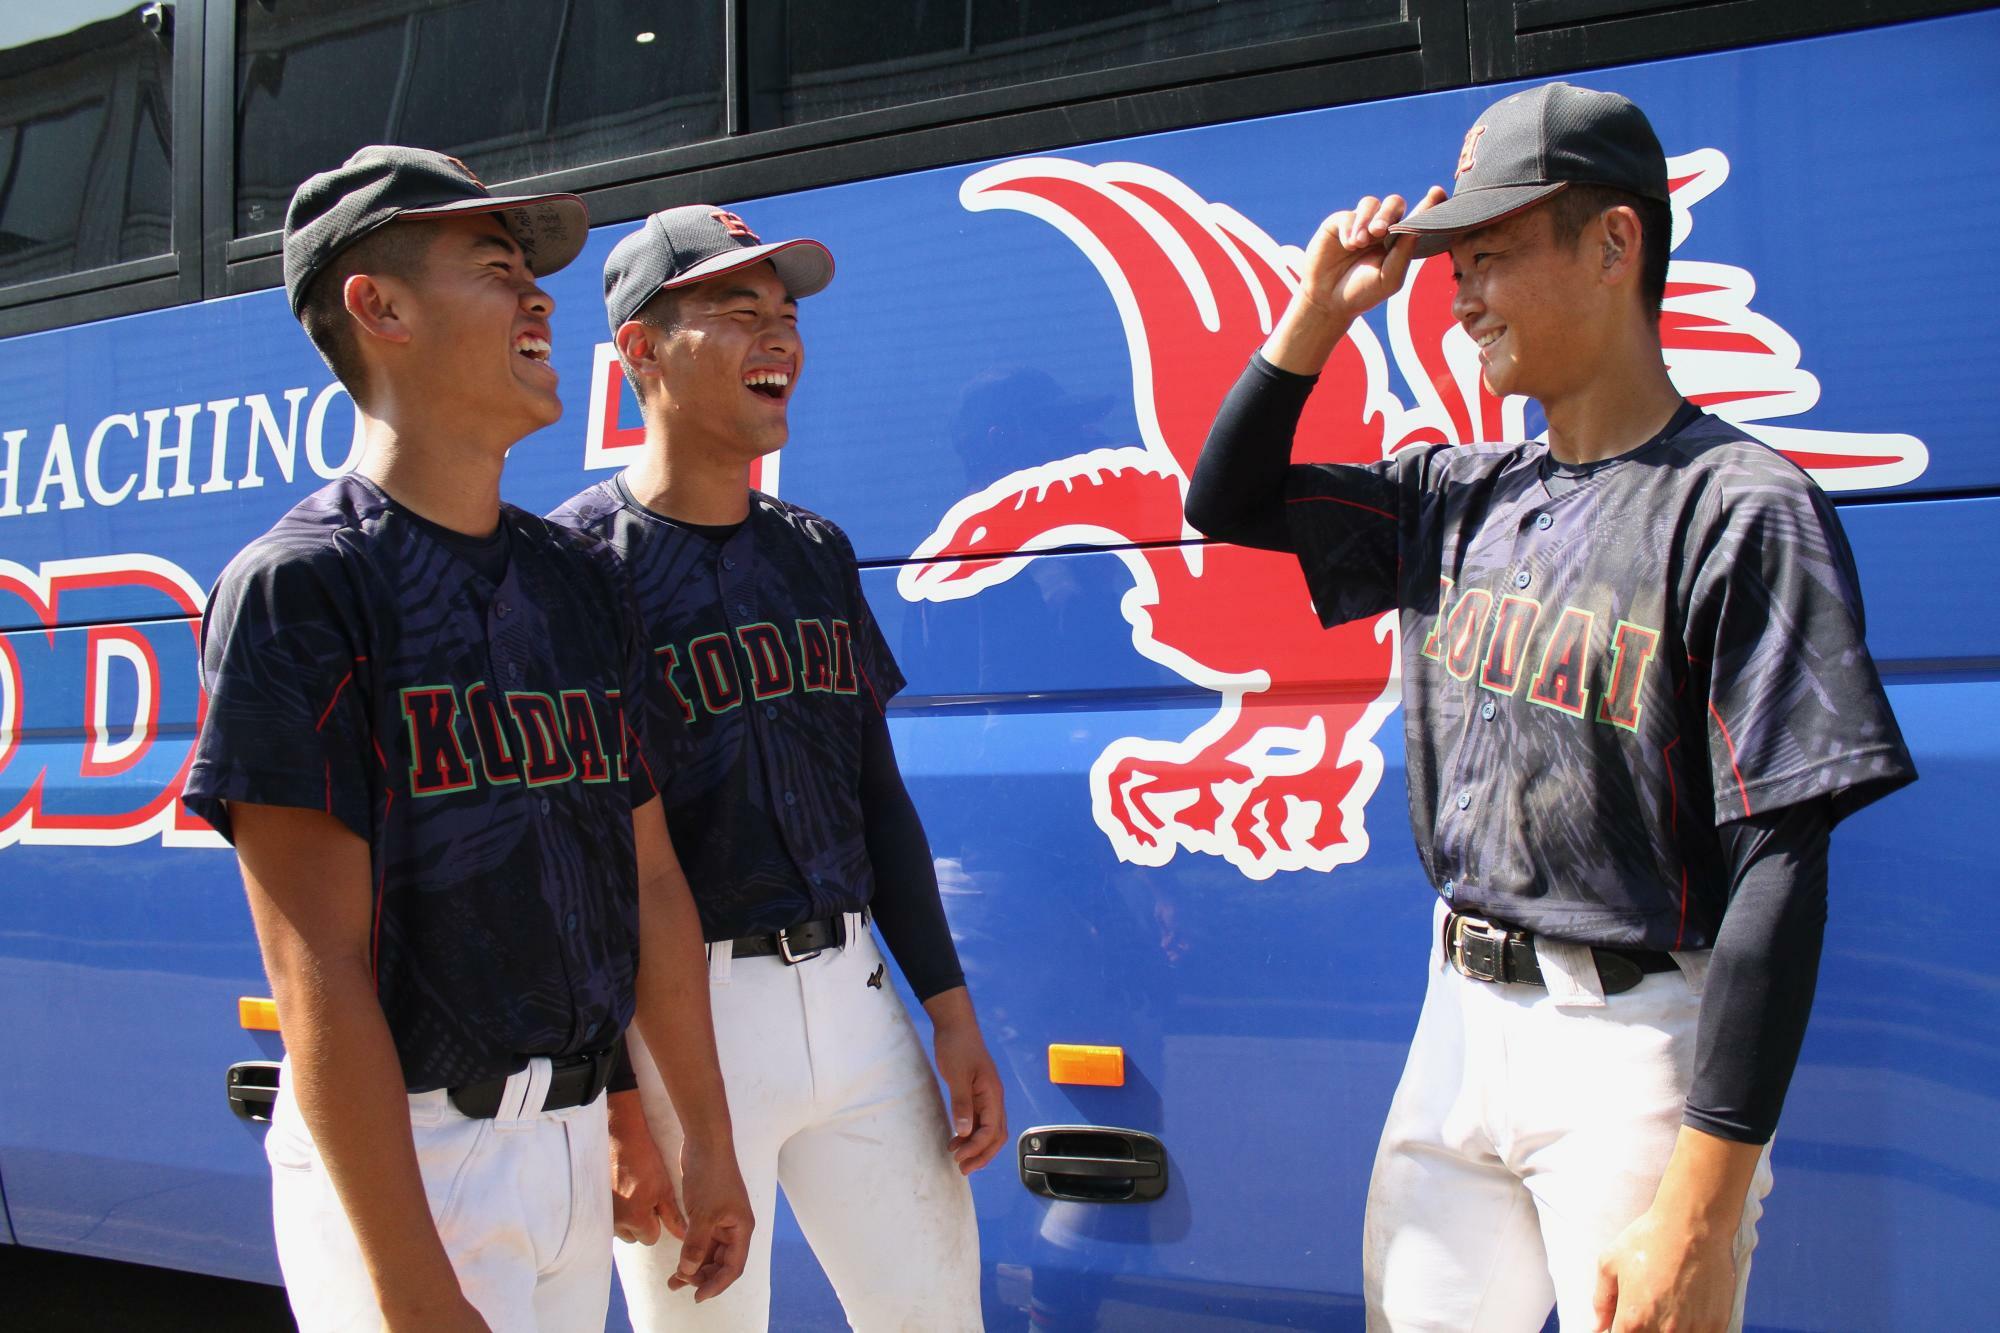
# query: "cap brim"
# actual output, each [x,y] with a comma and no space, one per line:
[804,266]
[550,228]
[1435,227]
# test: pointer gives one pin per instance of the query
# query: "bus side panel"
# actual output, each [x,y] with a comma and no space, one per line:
[122,963]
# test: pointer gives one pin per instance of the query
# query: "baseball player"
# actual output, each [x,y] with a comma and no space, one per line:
[794,818]
[1637,700]
[433,736]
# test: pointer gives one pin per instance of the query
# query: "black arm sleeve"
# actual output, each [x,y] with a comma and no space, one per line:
[1237,493]
[906,902]
[1762,973]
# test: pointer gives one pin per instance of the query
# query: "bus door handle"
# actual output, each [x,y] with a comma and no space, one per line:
[253,1087]
[1089,1164]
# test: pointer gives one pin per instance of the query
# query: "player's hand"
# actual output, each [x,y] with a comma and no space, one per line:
[642,1193]
[1353,264]
[1660,1276]
[978,1106]
[716,1243]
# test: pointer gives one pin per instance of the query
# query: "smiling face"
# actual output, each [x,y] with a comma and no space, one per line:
[478,329]
[1535,305]
[727,366]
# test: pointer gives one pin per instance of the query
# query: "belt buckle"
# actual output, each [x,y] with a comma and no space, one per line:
[794,959]
[1480,949]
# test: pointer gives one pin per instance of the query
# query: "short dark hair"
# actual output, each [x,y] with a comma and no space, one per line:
[1573,208]
[662,314]
[398,249]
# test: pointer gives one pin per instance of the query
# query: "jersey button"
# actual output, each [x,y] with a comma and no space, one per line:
[771,711]
[791,798]
[1450,888]
[728,562]
[1464,799]
[501,609]
[1487,710]
[545,805]
[571,922]
[1545,521]
[1521,579]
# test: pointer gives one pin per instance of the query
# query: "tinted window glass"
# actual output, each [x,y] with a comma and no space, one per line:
[812,59]
[513,88]
[86,113]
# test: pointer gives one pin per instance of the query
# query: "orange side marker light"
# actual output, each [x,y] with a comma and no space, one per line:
[1090,1066]
[257,1013]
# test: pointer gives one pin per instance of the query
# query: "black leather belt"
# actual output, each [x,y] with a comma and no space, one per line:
[575,1080]
[1487,951]
[807,940]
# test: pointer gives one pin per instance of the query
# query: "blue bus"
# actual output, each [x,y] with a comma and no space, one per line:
[1167,808]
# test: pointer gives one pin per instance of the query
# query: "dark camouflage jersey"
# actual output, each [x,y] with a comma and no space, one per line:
[776,663]
[1592,681]
[482,739]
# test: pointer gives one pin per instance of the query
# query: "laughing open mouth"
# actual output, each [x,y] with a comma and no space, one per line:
[772,384]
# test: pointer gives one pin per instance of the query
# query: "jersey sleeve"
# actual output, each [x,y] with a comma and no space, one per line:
[1796,708]
[883,678]
[285,670]
[1346,522]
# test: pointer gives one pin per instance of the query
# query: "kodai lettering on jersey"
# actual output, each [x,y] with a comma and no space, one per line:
[817,657]
[539,740]
[1572,666]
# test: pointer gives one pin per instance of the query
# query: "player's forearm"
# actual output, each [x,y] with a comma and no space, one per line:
[1305,338]
[1237,493]
[673,1013]
[348,1084]
[952,1009]
[1762,973]
[907,904]
[1705,1185]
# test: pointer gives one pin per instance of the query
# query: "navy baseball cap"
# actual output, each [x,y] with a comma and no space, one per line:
[382,183]
[683,246]
[1526,147]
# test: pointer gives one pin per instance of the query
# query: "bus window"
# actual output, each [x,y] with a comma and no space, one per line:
[814,59]
[514,88]
[86,168]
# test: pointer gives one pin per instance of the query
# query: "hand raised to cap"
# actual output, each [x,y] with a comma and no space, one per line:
[1352,264]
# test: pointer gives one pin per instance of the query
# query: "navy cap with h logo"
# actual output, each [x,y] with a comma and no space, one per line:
[385,182]
[682,246]
[1526,147]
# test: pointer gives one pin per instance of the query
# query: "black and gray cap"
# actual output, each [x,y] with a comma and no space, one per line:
[380,184]
[682,246]
[1528,146]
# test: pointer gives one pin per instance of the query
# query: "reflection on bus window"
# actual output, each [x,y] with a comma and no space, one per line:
[514,88]
[812,59]
[86,118]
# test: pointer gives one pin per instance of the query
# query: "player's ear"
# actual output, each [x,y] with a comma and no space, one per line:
[1619,245]
[639,348]
[376,307]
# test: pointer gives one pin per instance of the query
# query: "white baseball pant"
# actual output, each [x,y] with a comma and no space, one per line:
[1530,1127]
[831,1096]
[520,1202]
